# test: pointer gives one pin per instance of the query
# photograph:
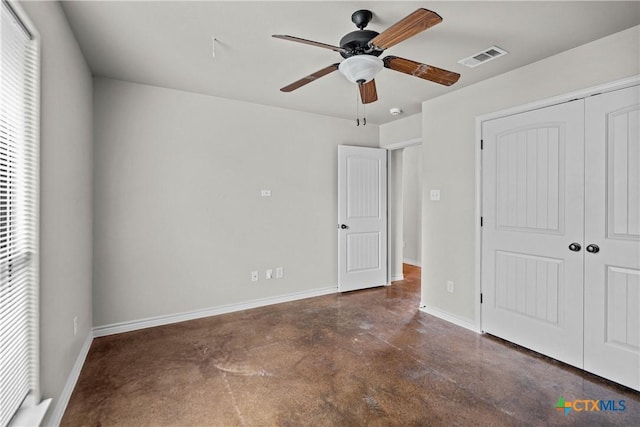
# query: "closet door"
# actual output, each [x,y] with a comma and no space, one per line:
[612,226]
[533,205]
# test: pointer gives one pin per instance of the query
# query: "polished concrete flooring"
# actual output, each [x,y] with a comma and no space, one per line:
[367,358]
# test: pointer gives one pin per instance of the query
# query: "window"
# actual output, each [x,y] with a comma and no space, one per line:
[19,159]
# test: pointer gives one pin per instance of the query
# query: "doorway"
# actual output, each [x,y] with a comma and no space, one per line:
[405,207]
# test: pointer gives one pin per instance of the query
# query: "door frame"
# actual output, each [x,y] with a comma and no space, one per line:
[390,185]
[547,102]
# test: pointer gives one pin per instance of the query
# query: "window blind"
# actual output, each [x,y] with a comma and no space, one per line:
[19,163]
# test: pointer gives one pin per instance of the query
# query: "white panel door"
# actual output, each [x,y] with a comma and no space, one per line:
[612,223]
[533,194]
[362,217]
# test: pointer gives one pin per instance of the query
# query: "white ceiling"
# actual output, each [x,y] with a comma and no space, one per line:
[169,44]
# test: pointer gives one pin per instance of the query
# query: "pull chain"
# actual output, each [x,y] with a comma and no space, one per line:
[364,118]
[364,114]
[357,107]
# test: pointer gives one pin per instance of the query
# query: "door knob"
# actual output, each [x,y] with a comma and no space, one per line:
[344,226]
[575,247]
[594,249]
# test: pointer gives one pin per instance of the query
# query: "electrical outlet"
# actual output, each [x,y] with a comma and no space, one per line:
[279,273]
[75,326]
[265,193]
[449,286]
[435,195]
[254,276]
[269,274]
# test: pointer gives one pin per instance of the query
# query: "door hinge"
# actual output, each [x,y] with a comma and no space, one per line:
[482,144]
[481,221]
[480,298]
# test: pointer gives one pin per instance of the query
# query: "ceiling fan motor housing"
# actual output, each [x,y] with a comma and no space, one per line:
[357,43]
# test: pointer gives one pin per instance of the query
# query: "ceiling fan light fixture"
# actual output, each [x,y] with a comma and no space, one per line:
[361,68]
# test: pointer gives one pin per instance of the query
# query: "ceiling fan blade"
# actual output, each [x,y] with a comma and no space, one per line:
[309,42]
[409,26]
[368,92]
[311,77]
[423,71]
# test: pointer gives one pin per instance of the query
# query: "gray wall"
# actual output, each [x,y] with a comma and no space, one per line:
[412,204]
[179,221]
[65,197]
[449,155]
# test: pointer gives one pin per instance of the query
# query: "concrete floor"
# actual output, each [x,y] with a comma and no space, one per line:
[361,358]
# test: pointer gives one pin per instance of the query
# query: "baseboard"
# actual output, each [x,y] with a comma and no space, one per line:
[450,318]
[118,328]
[397,277]
[412,262]
[63,399]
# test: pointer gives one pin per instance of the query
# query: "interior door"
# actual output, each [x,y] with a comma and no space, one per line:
[362,217]
[533,204]
[612,225]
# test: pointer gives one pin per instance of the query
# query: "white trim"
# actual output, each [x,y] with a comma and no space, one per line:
[579,94]
[65,395]
[30,26]
[403,144]
[414,262]
[118,328]
[478,230]
[30,415]
[397,277]
[450,318]
[389,228]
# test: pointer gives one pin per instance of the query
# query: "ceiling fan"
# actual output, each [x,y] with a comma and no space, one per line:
[361,49]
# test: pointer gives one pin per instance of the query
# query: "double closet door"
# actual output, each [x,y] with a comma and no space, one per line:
[561,232]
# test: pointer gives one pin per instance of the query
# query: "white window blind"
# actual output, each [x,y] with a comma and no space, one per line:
[19,166]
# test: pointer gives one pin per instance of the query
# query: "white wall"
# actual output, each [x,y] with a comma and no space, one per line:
[179,222]
[401,130]
[65,197]
[449,164]
[412,204]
